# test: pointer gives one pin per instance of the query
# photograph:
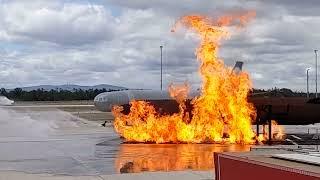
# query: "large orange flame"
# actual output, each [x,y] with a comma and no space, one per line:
[220,114]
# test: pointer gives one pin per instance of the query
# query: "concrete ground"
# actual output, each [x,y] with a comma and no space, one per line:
[185,175]
[64,140]
[81,109]
[58,141]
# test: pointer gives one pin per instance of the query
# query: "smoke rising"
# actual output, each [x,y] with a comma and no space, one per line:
[5,101]
[26,123]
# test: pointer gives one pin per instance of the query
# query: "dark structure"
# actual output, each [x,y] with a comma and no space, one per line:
[287,110]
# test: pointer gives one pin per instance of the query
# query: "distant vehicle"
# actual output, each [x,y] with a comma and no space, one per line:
[4,101]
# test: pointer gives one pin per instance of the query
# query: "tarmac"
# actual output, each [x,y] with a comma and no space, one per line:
[47,143]
[185,175]
[67,142]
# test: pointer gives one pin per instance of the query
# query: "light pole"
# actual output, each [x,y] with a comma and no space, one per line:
[315,52]
[308,83]
[161,67]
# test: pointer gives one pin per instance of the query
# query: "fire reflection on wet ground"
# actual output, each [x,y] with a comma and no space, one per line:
[169,157]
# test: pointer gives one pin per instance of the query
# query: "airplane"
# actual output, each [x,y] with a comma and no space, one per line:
[106,100]
[286,110]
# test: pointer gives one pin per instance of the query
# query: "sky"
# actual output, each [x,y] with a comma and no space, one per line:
[89,42]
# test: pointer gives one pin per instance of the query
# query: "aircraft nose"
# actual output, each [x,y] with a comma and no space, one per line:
[99,103]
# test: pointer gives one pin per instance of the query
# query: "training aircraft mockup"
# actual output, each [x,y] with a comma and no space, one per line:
[286,110]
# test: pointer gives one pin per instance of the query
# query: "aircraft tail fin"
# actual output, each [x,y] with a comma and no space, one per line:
[237,67]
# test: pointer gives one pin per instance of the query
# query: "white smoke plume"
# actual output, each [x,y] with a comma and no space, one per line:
[26,123]
[4,101]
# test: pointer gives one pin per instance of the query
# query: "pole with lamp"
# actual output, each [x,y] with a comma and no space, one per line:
[308,95]
[161,67]
[316,54]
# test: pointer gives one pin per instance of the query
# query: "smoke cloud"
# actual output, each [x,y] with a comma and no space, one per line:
[28,124]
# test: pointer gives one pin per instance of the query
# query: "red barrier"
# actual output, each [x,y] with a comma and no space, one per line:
[237,168]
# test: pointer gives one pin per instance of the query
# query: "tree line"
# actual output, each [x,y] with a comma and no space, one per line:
[19,94]
[279,92]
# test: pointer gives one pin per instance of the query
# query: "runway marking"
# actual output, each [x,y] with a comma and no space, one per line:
[294,136]
[292,141]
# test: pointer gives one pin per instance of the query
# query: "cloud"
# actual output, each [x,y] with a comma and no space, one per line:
[62,24]
[117,42]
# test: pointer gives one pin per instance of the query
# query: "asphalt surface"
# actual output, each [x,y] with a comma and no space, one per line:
[55,142]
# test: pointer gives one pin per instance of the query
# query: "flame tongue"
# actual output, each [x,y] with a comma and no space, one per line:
[220,114]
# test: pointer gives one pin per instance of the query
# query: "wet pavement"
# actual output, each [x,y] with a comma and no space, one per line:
[103,153]
[53,142]
[67,155]
[56,142]
[164,157]
[59,143]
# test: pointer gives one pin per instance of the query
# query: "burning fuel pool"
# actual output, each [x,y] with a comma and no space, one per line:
[131,158]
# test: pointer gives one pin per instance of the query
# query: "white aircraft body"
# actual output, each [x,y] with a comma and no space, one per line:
[106,100]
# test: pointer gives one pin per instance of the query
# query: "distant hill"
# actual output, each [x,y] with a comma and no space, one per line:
[71,87]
